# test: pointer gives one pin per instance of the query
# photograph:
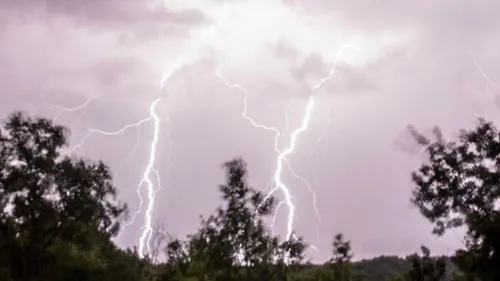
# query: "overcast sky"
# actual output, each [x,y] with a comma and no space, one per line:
[99,64]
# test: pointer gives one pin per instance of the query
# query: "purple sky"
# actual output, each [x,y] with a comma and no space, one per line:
[99,64]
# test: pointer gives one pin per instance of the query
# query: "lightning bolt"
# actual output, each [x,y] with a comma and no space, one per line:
[281,159]
[148,230]
[278,182]
[144,246]
[150,179]
[483,73]
[490,82]
[73,109]
[149,170]
[146,180]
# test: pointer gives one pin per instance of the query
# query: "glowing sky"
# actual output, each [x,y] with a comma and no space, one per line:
[99,64]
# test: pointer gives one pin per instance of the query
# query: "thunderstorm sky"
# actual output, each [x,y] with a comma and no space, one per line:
[99,65]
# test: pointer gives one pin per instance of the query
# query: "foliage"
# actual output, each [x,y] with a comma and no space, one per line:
[460,186]
[426,268]
[58,216]
[55,210]
[381,268]
[340,263]
[234,243]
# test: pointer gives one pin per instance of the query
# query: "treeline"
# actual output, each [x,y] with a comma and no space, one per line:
[58,215]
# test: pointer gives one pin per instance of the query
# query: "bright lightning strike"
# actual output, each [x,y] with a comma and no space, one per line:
[148,230]
[281,159]
[279,184]
[150,179]
[120,131]
[277,179]
[146,180]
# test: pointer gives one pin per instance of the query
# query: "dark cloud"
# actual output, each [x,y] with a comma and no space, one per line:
[140,17]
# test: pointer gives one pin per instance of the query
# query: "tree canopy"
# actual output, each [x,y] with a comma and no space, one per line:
[59,214]
[460,187]
[55,209]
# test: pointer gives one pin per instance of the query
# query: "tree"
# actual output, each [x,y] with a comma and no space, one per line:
[234,243]
[426,268]
[341,259]
[341,251]
[54,210]
[460,186]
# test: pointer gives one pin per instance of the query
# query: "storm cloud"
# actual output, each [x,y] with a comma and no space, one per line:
[424,63]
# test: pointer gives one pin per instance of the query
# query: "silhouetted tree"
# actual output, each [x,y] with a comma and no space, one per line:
[341,259]
[234,243]
[460,186]
[58,215]
[426,268]
[53,209]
